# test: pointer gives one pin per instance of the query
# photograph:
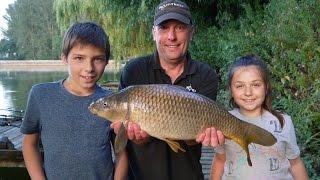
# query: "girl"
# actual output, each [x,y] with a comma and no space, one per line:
[251,99]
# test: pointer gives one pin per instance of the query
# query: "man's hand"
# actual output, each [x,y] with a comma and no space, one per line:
[116,126]
[211,137]
[134,132]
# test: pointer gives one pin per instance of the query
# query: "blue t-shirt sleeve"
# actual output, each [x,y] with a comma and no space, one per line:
[30,123]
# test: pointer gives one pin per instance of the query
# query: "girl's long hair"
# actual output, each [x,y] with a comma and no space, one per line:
[254,60]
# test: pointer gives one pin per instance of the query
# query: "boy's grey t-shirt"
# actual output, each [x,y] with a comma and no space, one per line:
[76,143]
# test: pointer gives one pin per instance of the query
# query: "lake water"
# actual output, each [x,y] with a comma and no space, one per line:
[15,86]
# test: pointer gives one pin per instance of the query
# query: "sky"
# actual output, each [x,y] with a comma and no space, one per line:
[3,6]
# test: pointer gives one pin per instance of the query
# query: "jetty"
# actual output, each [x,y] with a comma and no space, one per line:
[10,141]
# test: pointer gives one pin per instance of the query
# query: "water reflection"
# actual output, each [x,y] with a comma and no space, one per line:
[15,86]
[5,100]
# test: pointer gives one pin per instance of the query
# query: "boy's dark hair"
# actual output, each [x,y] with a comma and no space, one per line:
[254,60]
[86,33]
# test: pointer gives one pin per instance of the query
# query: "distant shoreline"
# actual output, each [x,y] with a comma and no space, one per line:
[43,65]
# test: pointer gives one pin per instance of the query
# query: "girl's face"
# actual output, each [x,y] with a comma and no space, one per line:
[248,90]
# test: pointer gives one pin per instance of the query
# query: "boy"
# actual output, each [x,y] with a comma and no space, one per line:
[76,143]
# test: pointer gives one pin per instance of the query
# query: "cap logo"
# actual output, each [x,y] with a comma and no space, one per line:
[170,4]
[170,9]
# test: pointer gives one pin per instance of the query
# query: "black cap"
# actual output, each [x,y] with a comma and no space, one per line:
[172,9]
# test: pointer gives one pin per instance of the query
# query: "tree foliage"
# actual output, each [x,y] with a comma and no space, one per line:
[32,26]
[8,49]
[128,23]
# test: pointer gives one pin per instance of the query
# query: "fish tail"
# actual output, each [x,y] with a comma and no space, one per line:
[255,134]
[244,144]
[260,136]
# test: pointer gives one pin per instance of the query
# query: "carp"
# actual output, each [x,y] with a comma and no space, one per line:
[171,113]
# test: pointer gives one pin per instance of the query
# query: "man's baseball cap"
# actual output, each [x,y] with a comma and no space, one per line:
[172,9]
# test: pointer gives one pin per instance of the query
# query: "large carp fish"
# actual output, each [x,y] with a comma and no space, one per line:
[171,113]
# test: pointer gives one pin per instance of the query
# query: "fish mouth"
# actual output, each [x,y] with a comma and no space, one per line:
[92,109]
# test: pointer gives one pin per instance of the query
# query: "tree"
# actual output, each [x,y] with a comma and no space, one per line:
[8,49]
[128,23]
[32,25]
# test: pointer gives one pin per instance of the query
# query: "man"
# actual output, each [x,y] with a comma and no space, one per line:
[150,158]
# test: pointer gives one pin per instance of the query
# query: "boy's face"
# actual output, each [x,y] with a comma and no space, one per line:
[86,64]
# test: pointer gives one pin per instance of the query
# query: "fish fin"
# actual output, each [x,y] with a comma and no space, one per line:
[244,144]
[246,149]
[191,142]
[125,124]
[174,145]
[121,139]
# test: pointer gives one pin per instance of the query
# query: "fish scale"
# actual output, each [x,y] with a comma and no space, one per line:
[170,112]
[188,108]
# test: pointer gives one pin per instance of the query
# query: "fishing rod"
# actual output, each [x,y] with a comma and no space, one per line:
[13,110]
[5,116]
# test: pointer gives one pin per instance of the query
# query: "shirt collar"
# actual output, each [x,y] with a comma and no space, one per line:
[189,68]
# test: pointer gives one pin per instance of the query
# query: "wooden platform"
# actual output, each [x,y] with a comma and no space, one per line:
[11,129]
[13,158]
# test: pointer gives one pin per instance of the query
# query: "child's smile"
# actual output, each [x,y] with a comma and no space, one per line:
[248,90]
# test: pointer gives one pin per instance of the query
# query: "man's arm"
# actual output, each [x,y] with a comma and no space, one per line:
[32,156]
